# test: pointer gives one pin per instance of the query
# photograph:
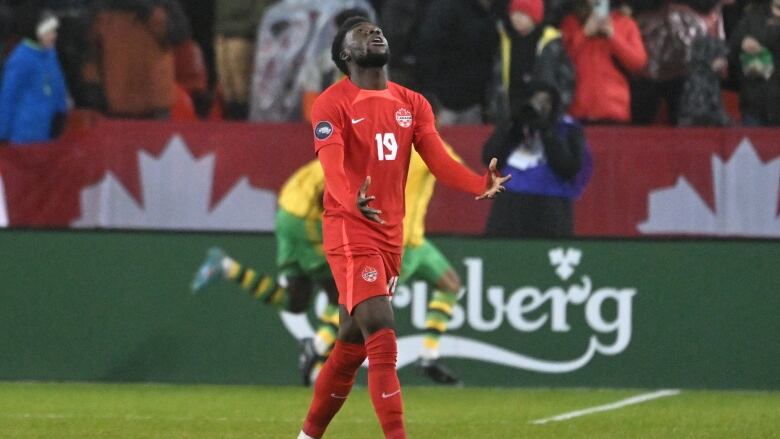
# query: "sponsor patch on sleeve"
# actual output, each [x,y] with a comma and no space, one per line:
[323,130]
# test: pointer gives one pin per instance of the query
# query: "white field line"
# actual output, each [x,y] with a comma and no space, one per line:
[612,406]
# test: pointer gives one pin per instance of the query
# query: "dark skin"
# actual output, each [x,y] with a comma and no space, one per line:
[300,288]
[365,41]
[377,313]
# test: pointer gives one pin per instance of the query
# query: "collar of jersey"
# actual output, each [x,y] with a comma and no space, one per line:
[363,94]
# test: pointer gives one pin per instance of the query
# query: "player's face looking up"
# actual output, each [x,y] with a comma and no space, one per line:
[366,46]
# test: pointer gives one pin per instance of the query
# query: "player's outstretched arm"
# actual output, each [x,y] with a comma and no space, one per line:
[448,171]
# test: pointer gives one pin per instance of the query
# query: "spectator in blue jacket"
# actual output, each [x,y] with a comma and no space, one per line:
[546,153]
[33,97]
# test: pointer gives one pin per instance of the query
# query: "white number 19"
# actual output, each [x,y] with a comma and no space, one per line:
[386,146]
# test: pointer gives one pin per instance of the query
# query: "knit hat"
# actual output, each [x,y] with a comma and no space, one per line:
[47,23]
[531,8]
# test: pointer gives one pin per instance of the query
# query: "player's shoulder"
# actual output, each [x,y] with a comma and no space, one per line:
[333,95]
[416,100]
[329,105]
[407,93]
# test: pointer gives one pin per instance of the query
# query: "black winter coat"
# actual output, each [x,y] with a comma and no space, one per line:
[456,51]
[758,97]
[520,214]
[533,59]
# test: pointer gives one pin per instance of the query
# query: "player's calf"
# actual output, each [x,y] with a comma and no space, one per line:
[333,386]
[383,383]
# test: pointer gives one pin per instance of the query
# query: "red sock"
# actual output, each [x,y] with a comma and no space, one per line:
[333,385]
[383,384]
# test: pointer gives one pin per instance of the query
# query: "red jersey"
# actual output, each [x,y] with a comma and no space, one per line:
[375,130]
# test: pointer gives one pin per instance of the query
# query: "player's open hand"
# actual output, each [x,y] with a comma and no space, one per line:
[362,203]
[495,181]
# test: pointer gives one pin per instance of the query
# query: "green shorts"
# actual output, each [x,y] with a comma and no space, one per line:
[299,247]
[424,262]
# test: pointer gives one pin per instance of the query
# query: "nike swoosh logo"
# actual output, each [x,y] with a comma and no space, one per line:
[356,121]
[333,395]
[387,395]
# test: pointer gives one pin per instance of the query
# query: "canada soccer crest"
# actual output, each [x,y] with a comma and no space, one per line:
[404,118]
[369,274]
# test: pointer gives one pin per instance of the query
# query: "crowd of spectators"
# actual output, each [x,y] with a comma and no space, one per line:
[613,62]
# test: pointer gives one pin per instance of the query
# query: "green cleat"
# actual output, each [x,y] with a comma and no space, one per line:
[210,270]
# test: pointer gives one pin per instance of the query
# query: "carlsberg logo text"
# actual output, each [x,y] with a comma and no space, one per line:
[486,308]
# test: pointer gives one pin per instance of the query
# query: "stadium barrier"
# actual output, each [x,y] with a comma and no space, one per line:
[116,306]
[646,181]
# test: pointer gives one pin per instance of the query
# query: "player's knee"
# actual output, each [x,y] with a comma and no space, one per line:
[374,325]
[299,294]
[377,321]
[349,332]
[373,315]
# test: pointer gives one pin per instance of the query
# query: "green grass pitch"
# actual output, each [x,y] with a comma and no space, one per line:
[43,410]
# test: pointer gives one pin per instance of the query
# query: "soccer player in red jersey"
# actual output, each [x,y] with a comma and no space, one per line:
[364,129]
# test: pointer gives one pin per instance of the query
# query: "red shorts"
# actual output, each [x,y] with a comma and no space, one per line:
[360,277]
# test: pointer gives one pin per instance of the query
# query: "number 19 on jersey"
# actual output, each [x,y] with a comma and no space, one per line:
[386,146]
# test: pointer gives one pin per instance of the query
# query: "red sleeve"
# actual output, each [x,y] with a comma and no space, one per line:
[327,123]
[627,45]
[446,169]
[432,150]
[336,182]
[424,119]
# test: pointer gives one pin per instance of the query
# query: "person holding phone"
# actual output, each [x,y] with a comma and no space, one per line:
[604,47]
[546,153]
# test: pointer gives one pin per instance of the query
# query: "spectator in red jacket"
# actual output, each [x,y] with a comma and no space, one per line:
[604,47]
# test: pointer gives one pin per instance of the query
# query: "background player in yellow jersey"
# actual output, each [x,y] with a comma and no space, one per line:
[422,260]
[301,263]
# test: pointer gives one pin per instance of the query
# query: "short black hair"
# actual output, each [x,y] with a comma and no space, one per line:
[338,41]
[346,14]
